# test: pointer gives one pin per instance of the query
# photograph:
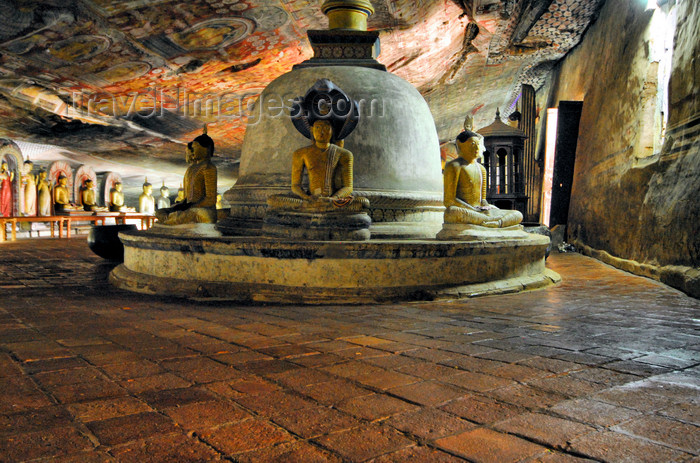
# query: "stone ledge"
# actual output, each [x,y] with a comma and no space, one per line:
[686,279]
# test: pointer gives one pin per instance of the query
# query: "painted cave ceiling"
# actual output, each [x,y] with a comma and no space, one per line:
[90,75]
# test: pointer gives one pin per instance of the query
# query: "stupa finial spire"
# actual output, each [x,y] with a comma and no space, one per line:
[347,14]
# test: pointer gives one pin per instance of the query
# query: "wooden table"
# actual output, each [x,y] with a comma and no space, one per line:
[52,219]
[119,218]
[147,221]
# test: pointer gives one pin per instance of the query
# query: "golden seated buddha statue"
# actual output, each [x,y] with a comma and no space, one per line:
[330,177]
[199,205]
[465,196]
[61,196]
[88,197]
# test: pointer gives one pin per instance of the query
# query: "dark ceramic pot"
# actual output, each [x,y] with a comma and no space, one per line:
[104,241]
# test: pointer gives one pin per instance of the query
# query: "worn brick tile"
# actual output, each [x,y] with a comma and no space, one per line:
[551,456]
[633,397]
[684,411]
[375,406]
[394,362]
[315,421]
[32,351]
[123,429]
[360,352]
[132,370]
[83,392]
[245,436]
[304,377]
[317,360]
[667,431]
[269,403]
[250,385]
[34,420]
[154,383]
[433,355]
[176,397]
[65,377]
[108,358]
[636,368]
[428,392]
[428,370]
[429,423]
[483,410]
[267,367]
[386,379]
[171,448]
[52,443]
[334,392]
[608,378]
[201,369]
[516,372]
[544,429]
[594,412]
[612,446]
[566,385]
[485,445]
[550,364]
[476,381]
[21,401]
[54,364]
[287,351]
[200,416]
[506,356]
[363,443]
[90,456]
[526,396]
[417,455]
[242,356]
[107,408]
[289,452]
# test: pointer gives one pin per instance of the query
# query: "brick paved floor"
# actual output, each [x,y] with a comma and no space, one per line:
[604,366]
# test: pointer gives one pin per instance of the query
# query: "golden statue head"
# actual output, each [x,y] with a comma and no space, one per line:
[468,145]
[201,148]
[62,180]
[118,186]
[147,187]
[322,131]
[88,184]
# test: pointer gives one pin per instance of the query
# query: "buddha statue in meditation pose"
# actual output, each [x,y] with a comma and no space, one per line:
[147,203]
[330,177]
[199,205]
[465,189]
[43,194]
[164,198]
[116,199]
[61,196]
[87,197]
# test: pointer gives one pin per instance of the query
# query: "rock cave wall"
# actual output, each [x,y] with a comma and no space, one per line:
[635,200]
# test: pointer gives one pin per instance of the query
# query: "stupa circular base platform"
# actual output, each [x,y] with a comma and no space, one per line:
[327,272]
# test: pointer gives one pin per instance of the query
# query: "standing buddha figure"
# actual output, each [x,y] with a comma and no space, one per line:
[29,188]
[43,193]
[6,178]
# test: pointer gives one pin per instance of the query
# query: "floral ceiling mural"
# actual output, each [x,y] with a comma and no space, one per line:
[134,79]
